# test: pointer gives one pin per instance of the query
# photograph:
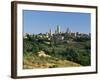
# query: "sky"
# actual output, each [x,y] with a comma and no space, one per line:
[36,22]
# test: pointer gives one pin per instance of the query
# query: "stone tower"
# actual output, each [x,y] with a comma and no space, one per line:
[58,29]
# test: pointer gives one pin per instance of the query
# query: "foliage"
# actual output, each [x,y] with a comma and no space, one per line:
[77,50]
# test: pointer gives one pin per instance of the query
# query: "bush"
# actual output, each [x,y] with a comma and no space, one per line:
[30,47]
[53,66]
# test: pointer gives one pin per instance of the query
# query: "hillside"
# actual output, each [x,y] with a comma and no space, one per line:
[34,61]
[40,52]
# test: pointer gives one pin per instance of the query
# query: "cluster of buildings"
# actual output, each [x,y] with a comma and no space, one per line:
[58,34]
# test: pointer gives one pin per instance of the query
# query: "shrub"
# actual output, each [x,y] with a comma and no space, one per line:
[53,66]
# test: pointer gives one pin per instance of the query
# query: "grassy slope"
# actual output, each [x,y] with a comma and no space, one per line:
[33,61]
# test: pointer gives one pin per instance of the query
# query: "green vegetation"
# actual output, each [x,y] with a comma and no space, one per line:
[51,52]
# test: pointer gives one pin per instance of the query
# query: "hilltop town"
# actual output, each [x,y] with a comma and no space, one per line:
[58,36]
[56,49]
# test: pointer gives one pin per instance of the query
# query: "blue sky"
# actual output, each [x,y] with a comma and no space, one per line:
[41,21]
